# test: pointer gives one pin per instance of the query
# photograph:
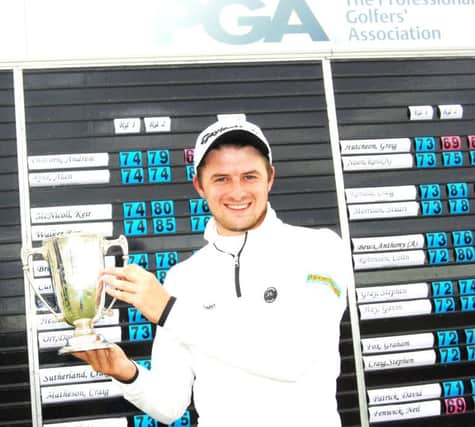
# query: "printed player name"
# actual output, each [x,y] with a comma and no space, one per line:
[388,260]
[43,232]
[405,411]
[68,161]
[69,375]
[397,343]
[41,269]
[377,162]
[399,360]
[44,285]
[404,394]
[55,179]
[48,322]
[388,243]
[383,210]
[71,393]
[59,338]
[392,292]
[381,194]
[374,146]
[394,309]
[71,213]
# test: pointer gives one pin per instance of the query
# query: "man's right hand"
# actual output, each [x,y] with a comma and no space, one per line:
[110,361]
[136,286]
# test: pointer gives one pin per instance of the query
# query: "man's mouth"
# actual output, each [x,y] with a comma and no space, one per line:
[238,207]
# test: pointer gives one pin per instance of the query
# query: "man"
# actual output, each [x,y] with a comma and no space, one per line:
[249,323]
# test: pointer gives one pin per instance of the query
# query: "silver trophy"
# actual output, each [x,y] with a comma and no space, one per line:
[75,262]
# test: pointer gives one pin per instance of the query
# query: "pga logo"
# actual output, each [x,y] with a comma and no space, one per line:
[248,21]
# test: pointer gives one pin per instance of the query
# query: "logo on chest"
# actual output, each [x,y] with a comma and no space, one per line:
[270,294]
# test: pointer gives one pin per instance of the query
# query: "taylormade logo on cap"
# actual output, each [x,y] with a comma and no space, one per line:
[218,131]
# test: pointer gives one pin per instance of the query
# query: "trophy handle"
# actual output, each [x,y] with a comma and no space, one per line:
[121,241]
[26,258]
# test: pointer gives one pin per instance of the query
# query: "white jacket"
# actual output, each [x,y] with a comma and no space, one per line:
[268,357]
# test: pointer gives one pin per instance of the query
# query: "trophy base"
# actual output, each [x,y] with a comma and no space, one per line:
[84,343]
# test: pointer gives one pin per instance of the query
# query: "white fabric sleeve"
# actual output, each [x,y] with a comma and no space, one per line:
[164,391]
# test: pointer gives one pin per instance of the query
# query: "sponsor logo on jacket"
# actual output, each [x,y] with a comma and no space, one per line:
[324,280]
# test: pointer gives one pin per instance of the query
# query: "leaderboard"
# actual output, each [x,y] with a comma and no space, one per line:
[410,204]
[82,176]
[110,151]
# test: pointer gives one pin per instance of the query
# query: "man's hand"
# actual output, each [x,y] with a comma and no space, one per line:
[134,285]
[110,361]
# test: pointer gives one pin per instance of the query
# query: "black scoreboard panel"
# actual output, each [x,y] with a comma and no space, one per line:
[15,405]
[109,149]
[407,142]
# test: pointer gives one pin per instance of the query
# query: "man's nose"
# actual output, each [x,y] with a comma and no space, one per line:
[237,189]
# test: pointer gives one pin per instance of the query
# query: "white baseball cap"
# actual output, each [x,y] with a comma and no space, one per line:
[228,131]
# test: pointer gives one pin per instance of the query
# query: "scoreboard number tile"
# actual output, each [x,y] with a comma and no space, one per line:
[130,159]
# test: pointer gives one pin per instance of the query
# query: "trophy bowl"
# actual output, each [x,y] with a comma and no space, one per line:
[75,261]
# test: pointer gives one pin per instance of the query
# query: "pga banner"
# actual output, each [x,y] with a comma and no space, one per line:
[54,29]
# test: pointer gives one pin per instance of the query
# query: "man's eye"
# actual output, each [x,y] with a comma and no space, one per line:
[250,177]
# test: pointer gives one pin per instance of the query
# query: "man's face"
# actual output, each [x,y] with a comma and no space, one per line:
[235,182]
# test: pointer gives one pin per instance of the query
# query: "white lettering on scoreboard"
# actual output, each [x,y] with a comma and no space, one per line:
[47,322]
[375,146]
[103,422]
[392,292]
[70,375]
[381,194]
[64,178]
[59,338]
[71,213]
[406,411]
[43,232]
[404,394]
[157,124]
[378,162]
[421,112]
[395,309]
[397,343]
[68,161]
[72,393]
[399,360]
[127,125]
[383,210]
[388,243]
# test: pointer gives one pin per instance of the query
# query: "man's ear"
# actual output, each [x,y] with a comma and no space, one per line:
[271,178]
[198,187]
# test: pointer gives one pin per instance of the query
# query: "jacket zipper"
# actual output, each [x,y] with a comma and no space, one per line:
[237,282]
[237,266]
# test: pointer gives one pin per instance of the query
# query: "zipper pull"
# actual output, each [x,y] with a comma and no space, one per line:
[237,282]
